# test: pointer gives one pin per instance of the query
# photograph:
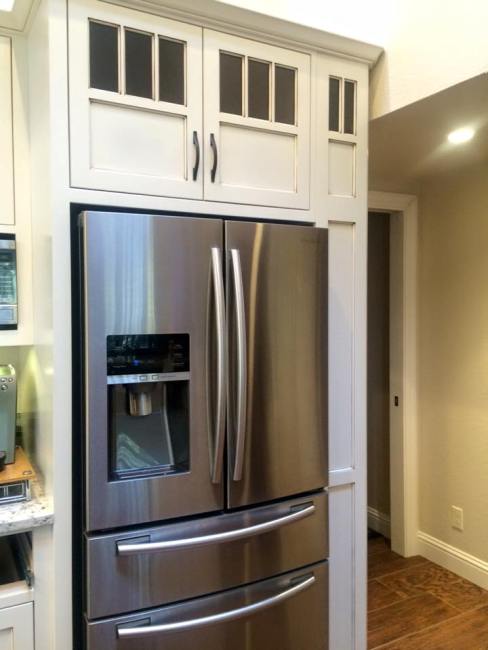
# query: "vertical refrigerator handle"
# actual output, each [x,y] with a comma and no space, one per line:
[241,365]
[218,286]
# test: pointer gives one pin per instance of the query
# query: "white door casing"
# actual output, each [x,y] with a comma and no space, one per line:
[123,143]
[403,367]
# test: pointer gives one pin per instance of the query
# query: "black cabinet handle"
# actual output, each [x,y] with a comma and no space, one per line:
[213,144]
[197,155]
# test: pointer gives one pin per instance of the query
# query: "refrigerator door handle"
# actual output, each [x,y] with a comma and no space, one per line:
[127,547]
[219,436]
[124,632]
[241,365]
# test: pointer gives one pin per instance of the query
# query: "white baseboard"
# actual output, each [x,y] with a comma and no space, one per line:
[379,522]
[452,558]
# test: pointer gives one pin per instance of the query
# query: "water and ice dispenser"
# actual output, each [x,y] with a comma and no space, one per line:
[148,380]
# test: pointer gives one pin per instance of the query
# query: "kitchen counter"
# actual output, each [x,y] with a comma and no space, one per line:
[26,515]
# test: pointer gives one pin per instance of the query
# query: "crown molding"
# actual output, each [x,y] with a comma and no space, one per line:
[251,24]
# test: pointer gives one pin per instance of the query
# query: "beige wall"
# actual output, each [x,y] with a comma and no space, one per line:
[378,363]
[453,358]
[429,45]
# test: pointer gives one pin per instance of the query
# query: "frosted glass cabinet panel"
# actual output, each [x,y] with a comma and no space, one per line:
[257,122]
[135,102]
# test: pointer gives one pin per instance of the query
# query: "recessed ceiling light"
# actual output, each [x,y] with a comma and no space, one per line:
[6,5]
[460,135]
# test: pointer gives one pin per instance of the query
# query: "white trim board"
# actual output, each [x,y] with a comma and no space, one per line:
[454,559]
[403,379]
[379,522]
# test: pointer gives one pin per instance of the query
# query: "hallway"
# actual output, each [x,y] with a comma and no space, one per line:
[414,604]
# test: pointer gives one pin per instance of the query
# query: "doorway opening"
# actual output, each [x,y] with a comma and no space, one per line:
[394,390]
[378,378]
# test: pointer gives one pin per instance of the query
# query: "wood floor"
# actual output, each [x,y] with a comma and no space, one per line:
[414,604]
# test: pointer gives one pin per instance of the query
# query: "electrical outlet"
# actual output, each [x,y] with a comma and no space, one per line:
[457,518]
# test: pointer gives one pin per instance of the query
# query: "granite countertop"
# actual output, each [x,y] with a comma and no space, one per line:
[26,515]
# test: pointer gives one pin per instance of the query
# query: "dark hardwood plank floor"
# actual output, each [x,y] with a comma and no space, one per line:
[469,631]
[414,604]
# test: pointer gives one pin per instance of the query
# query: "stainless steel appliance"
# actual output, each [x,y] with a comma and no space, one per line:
[8,282]
[8,411]
[204,383]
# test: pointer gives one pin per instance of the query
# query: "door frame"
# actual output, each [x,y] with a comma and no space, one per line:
[403,209]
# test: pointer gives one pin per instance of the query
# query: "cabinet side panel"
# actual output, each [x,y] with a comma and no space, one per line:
[6,139]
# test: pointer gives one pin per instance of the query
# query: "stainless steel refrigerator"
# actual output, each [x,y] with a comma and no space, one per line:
[204,420]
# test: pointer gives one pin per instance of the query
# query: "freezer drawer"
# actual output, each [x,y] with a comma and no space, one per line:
[149,567]
[289,612]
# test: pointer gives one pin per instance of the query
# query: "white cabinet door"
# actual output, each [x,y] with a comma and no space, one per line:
[17,628]
[257,123]
[6,137]
[135,101]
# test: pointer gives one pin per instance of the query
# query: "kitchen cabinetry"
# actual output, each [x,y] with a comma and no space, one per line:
[135,102]
[122,156]
[17,627]
[6,134]
[139,101]
[257,122]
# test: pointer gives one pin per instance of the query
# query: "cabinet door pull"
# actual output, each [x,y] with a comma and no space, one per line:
[197,155]
[213,171]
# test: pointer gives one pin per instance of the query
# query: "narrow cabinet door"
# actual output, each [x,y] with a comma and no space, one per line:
[257,122]
[135,102]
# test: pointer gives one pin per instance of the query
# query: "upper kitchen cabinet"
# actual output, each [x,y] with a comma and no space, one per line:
[135,102]
[342,127]
[257,123]
[6,134]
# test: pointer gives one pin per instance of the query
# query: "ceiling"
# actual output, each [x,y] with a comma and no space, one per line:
[16,19]
[410,145]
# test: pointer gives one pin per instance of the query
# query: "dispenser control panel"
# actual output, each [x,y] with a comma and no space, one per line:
[8,282]
[141,358]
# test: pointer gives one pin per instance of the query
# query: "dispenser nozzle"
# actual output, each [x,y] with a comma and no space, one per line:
[140,398]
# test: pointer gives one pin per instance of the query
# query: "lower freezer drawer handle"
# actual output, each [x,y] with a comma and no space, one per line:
[224,617]
[126,548]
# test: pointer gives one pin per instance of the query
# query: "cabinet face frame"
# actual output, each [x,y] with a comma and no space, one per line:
[289,139]
[7,215]
[341,187]
[105,164]
[17,627]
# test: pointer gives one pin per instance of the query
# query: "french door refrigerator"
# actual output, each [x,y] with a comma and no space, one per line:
[204,425]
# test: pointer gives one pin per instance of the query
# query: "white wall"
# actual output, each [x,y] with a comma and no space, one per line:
[430,45]
[453,359]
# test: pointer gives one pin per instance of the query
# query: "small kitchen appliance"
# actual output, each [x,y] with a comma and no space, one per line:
[8,411]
